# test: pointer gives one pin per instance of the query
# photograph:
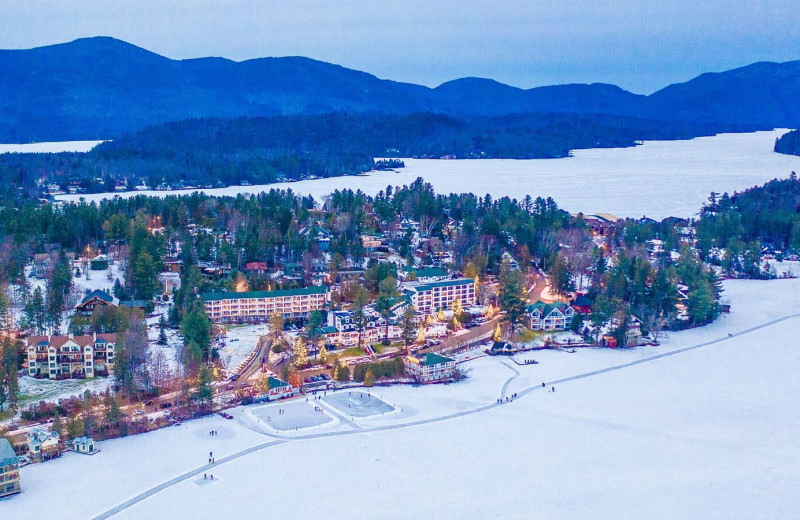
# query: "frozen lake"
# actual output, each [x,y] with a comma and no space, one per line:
[64,146]
[657,179]
[707,431]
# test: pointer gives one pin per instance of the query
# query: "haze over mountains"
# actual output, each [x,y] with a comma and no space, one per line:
[102,88]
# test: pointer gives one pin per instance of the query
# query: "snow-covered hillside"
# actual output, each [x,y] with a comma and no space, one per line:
[704,426]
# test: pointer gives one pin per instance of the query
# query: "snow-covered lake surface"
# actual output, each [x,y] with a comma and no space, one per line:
[657,179]
[56,147]
[708,431]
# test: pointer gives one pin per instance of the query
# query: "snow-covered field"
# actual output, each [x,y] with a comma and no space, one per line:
[708,431]
[658,179]
[56,147]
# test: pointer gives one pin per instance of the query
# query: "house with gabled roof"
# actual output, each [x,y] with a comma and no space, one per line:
[93,300]
[101,299]
[84,445]
[43,444]
[279,389]
[550,316]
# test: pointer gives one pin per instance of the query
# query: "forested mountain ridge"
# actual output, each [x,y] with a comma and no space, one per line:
[221,152]
[102,88]
[788,143]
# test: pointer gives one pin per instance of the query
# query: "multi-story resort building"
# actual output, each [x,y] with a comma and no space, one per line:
[429,367]
[9,469]
[70,356]
[257,306]
[429,298]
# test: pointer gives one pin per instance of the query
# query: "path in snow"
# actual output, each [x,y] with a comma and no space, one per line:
[281,440]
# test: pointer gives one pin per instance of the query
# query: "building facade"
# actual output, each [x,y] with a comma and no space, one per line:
[550,316]
[429,298]
[9,470]
[59,357]
[43,445]
[257,306]
[429,367]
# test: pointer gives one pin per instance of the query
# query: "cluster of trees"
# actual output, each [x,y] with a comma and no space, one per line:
[369,372]
[733,229]
[203,152]
[9,381]
[138,369]
[788,143]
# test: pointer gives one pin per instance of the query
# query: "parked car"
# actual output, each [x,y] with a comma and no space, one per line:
[166,405]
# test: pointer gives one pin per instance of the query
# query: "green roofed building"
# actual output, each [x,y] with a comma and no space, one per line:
[550,316]
[9,469]
[430,367]
[257,306]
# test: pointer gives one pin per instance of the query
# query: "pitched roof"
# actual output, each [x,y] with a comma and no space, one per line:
[547,308]
[213,296]
[274,382]
[102,295]
[7,455]
[434,359]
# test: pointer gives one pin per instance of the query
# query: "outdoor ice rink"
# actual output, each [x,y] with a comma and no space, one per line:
[357,403]
[290,416]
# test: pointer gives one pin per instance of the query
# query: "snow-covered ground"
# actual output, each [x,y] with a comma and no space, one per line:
[705,432]
[34,390]
[658,179]
[238,343]
[55,147]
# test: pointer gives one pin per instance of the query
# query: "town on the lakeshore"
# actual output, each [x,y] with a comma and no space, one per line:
[130,315]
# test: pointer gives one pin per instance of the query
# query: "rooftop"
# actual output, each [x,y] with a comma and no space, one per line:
[314,289]
[434,359]
[7,455]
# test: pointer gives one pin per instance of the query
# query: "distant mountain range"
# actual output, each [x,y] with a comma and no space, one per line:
[102,88]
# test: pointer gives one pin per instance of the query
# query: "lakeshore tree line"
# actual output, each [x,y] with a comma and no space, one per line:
[619,271]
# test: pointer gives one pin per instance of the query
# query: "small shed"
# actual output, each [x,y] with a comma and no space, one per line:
[85,445]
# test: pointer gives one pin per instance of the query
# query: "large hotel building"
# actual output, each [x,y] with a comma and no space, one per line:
[257,306]
[428,298]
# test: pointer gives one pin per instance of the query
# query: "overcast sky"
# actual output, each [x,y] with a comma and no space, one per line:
[640,45]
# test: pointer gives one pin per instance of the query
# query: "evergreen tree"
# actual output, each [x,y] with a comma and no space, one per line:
[512,297]
[359,318]
[162,331]
[301,353]
[196,328]
[313,327]
[560,277]
[369,378]
[387,296]
[276,324]
[205,392]
[408,325]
